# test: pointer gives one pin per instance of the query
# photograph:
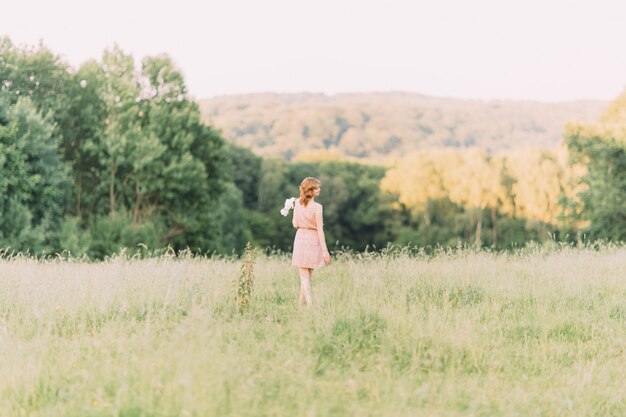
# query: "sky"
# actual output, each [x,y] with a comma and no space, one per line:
[546,50]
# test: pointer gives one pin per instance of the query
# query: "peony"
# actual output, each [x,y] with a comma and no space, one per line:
[289,203]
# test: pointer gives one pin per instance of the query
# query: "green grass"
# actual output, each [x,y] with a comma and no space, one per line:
[537,333]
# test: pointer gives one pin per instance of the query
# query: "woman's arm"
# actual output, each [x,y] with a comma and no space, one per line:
[319,221]
[293,219]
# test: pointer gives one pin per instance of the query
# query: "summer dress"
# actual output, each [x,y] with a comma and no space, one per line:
[307,250]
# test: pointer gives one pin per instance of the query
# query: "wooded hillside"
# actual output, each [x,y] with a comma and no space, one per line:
[376,126]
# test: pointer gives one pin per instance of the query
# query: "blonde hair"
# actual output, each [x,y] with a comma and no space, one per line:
[307,189]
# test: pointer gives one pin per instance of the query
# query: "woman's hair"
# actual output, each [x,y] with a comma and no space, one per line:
[307,189]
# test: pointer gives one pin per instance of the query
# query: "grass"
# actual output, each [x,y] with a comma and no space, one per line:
[536,333]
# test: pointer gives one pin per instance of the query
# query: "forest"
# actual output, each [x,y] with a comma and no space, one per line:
[116,154]
[381,127]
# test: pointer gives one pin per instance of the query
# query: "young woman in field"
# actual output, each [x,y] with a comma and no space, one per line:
[309,245]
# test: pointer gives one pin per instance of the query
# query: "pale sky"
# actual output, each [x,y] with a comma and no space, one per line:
[547,50]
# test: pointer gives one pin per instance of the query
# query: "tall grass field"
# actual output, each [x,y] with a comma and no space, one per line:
[459,333]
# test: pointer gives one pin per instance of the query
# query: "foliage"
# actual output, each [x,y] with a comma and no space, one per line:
[244,169]
[600,205]
[233,230]
[34,180]
[380,126]
[113,155]
[356,213]
[110,235]
[134,142]
[158,161]
[474,196]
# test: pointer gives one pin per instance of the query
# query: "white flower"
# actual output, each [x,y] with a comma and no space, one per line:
[289,204]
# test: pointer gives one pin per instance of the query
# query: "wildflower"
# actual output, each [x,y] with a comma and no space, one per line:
[289,203]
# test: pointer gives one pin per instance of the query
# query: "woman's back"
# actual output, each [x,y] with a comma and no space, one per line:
[304,217]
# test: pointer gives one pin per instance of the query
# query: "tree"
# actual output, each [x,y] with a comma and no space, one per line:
[601,150]
[38,74]
[83,136]
[135,143]
[243,169]
[477,186]
[152,156]
[419,178]
[541,179]
[34,179]
[356,211]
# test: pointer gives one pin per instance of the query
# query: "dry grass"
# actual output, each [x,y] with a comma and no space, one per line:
[539,333]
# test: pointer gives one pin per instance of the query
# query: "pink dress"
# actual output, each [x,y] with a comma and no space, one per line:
[307,250]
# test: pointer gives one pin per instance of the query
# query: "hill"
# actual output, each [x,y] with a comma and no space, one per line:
[377,126]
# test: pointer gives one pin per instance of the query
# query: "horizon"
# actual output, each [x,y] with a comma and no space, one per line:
[398,92]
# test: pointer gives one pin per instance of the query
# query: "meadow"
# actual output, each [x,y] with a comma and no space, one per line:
[538,332]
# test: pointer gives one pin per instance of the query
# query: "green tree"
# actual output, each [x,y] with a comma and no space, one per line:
[156,162]
[357,213]
[244,170]
[83,132]
[38,74]
[34,180]
[71,100]
[233,224]
[600,206]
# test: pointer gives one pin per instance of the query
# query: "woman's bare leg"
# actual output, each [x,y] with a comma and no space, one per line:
[310,286]
[301,299]
[305,285]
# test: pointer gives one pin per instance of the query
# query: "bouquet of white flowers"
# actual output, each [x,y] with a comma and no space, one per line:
[289,204]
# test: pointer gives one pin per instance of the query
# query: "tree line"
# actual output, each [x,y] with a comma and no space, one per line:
[114,154]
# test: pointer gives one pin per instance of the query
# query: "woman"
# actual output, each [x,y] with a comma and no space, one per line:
[309,245]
